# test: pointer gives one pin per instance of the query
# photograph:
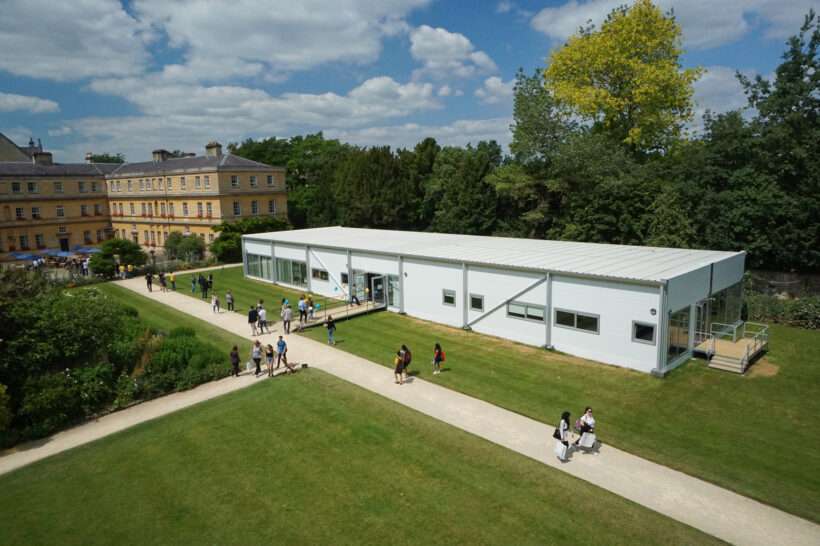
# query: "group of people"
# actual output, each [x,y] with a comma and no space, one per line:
[404,357]
[584,428]
[204,284]
[257,317]
[163,281]
[277,355]
[125,271]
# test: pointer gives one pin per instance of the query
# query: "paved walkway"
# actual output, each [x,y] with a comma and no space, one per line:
[714,510]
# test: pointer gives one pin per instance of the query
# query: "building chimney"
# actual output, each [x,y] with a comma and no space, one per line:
[89,157]
[42,158]
[160,155]
[213,149]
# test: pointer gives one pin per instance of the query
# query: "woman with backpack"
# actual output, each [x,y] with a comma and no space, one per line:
[561,436]
[398,362]
[438,358]
[407,358]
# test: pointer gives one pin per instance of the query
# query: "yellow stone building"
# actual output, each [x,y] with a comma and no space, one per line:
[152,199]
[52,206]
[44,205]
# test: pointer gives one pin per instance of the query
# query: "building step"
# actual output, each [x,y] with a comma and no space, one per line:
[727,364]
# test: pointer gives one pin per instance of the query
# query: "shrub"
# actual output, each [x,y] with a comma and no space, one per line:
[125,391]
[49,403]
[802,312]
[129,252]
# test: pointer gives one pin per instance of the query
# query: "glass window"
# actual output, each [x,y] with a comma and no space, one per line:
[185,209]
[319,274]
[24,241]
[525,311]
[35,212]
[171,210]
[291,272]
[119,208]
[197,183]
[393,291]
[643,332]
[207,181]
[131,208]
[448,297]
[130,186]
[254,207]
[16,187]
[39,240]
[84,210]
[162,209]
[209,209]
[58,187]
[87,236]
[476,302]
[210,237]
[19,212]
[253,181]
[586,322]
[169,183]
[199,209]
[678,334]
[60,211]
[344,278]
[517,310]
[234,181]
[564,318]
[270,180]
[98,209]
[31,187]
[299,273]
[94,187]
[142,184]
[237,209]
[271,206]
[81,186]
[182,183]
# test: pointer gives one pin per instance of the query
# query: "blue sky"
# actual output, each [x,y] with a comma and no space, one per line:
[128,77]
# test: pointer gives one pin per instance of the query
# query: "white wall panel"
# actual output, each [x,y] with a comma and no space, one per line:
[497,286]
[290,252]
[423,287]
[335,263]
[688,288]
[375,263]
[262,248]
[617,305]
[728,272]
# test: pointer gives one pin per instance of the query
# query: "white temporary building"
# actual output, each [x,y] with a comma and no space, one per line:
[638,307]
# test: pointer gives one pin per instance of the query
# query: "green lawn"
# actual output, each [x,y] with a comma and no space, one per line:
[311,459]
[247,292]
[756,434]
[162,317]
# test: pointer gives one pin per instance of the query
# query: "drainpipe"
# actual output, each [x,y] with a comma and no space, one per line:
[274,274]
[401,285]
[244,258]
[350,291]
[548,314]
[307,267]
[465,297]
[662,327]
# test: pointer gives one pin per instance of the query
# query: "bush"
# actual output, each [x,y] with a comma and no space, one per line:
[125,391]
[187,247]
[5,409]
[50,402]
[802,312]
[129,252]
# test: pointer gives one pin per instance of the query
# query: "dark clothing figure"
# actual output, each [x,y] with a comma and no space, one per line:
[149,282]
[235,362]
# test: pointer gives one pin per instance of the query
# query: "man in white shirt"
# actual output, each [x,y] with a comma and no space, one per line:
[263,320]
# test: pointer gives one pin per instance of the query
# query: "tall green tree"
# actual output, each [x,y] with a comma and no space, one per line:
[626,78]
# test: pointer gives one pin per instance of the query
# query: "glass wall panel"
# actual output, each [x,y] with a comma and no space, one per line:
[678,334]
[283,271]
[727,303]
[393,291]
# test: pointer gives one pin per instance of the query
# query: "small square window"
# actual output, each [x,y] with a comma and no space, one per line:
[270,180]
[32,187]
[476,302]
[16,187]
[448,297]
[565,318]
[58,187]
[344,278]
[517,310]
[588,323]
[643,333]
[319,274]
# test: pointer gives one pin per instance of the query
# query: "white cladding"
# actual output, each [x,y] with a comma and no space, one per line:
[619,287]
[261,248]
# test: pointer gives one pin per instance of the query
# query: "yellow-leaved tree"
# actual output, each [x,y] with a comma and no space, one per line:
[626,76]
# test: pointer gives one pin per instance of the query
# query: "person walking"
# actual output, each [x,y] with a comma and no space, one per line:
[149,281]
[263,320]
[438,358]
[173,278]
[302,305]
[163,285]
[235,361]
[256,356]
[215,303]
[282,355]
[407,356]
[203,286]
[229,300]
[287,316]
[130,270]
[398,363]
[330,324]
[585,425]
[310,308]
[269,359]
[193,284]
[253,318]
[561,436]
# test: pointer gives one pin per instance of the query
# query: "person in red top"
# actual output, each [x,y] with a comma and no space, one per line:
[438,358]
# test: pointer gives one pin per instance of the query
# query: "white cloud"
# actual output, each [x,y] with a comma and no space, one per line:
[495,90]
[444,91]
[10,102]
[446,54]
[457,133]
[60,131]
[252,37]
[70,40]
[185,116]
[717,91]
[705,24]
[504,7]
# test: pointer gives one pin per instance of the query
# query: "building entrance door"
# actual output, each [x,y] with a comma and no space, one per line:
[377,290]
[64,244]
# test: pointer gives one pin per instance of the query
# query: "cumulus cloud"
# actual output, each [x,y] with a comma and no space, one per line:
[457,133]
[264,37]
[70,40]
[60,131]
[495,90]
[446,54]
[10,102]
[704,23]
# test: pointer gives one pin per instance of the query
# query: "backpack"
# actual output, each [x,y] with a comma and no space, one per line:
[443,356]
[407,357]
